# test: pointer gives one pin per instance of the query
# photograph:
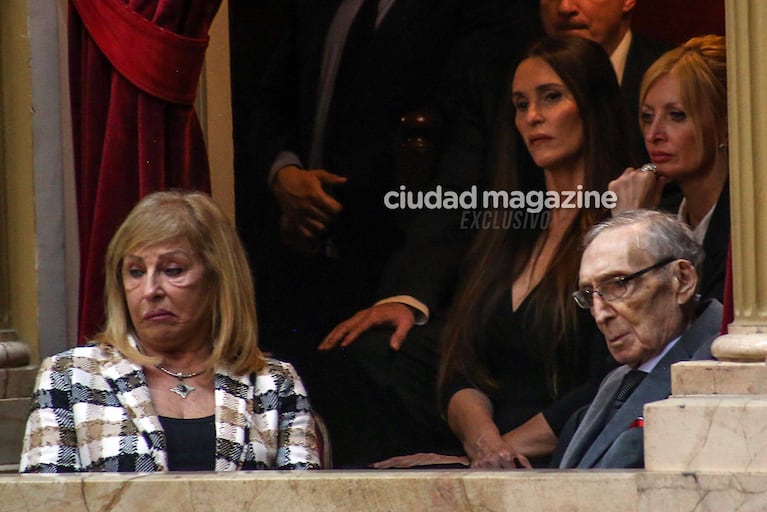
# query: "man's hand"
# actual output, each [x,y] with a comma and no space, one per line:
[393,314]
[307,207]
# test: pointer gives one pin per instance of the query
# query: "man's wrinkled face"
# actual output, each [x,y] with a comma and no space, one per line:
[638,325]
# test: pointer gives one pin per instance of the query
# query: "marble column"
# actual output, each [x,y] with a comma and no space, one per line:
[715,418]
[747,110]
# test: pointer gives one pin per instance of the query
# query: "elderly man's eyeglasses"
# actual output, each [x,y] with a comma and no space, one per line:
[613,288]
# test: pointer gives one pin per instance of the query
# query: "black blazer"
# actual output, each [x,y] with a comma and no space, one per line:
[716,244]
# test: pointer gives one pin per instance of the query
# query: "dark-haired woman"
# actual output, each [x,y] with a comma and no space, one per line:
[519,356]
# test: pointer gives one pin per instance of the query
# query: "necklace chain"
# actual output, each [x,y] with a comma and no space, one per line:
[179,375]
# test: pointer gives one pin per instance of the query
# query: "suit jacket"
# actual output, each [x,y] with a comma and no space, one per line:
[400,73]
[619,443]
[642,53]
[92,411]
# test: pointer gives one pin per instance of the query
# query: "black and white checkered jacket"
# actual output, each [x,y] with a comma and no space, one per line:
[91,411]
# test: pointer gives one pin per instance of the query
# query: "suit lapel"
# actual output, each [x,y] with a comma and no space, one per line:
[594,419]
[656,386]
[386,21]
[234,419]
[694,343]
[129,386]
[233,411]
[400,14]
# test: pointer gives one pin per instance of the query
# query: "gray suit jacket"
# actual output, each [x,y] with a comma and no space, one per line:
[619,443]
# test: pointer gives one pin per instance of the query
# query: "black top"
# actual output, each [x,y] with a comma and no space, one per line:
[514,358]
[191,443]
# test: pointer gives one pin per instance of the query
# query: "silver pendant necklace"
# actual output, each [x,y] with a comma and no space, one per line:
[182,389]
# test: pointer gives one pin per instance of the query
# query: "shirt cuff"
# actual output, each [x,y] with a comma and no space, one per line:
[421,311]
[283,159]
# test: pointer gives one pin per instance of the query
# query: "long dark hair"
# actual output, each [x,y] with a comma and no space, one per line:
[497,257]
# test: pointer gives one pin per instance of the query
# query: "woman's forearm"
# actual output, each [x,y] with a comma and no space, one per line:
[534,438]
[470,416]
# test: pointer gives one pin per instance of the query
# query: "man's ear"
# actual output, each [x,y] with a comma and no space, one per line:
[628,6]
[685,281]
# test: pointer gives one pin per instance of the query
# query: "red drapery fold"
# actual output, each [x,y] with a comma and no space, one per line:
[134,69]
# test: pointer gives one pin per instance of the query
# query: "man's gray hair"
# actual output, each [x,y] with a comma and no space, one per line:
[662,235]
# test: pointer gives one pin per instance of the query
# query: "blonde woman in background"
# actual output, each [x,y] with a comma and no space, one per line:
[683,116]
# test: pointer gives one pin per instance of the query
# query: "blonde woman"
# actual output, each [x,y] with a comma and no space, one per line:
[176,380]
[683,116]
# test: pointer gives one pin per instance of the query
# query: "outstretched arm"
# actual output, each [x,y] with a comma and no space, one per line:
[534,438]
[392,314]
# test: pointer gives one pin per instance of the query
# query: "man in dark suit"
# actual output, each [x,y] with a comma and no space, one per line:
[324,136]
[638,277]
[608,22]
[419,279]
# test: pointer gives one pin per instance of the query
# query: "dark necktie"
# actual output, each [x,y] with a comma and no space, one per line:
[364,24]
[629,383]
[357,42]
[342,115]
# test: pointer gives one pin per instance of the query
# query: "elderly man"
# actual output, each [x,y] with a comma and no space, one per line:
[638,277]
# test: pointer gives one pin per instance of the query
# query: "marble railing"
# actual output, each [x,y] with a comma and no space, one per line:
[402,490]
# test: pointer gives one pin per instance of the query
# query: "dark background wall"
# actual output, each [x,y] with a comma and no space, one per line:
[255,30]
[676,21]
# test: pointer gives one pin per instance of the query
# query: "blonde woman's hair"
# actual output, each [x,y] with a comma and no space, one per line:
[194,217]
[700,65]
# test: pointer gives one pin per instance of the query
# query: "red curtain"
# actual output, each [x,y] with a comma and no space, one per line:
[134,69]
